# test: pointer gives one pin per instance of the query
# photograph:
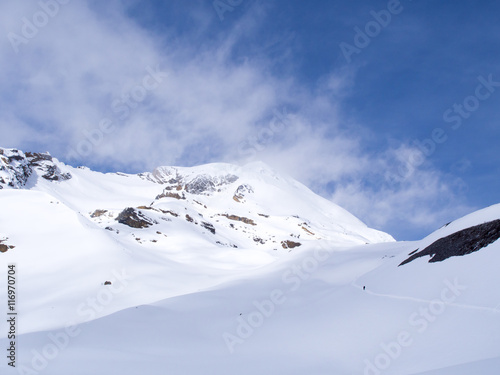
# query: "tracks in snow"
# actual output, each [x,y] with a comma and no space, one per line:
[419,300]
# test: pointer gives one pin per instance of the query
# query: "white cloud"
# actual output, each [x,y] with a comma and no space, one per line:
[69,77]
[416,202]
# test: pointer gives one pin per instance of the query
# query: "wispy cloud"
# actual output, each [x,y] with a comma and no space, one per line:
[85,63]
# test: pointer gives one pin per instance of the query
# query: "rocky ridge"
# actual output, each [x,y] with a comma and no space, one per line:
[17,168]
[220,205]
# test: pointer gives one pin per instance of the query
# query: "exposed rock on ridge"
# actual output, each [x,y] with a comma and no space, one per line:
[16,168]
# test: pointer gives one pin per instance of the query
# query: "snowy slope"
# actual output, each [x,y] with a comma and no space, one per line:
[280,208]
[186,300]
[321,322]
[61,218]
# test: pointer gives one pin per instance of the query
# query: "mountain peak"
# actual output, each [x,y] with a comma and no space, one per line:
[249,206]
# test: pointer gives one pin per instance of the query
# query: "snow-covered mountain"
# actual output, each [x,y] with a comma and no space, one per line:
[207,218]
[226,269]
[221,204]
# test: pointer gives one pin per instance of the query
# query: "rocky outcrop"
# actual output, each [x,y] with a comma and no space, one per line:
[14,169]
[259,240]
[5,247]
[459,243]
[167,194]
[202,184]
[134,218]
[97,213]
[205,184]
[307,231]
[241,191]
[240,218]
[290,244]
[149,208]
[174,214]
[17,167]
[45,164]
[208,226]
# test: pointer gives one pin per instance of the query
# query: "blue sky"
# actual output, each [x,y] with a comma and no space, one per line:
[402,131]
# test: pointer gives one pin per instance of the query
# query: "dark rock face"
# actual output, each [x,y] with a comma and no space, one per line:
[45,164]
[4,248]
[17,167]
[36,157]
[289,244]
[201,184]
[240,218]
[259,240]
[167,194]
[205,184]
[460,243]
[208,226]
[134,219]
[52,173]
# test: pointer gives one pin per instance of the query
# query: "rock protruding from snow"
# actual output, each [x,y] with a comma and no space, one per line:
[134,218]
[5,247]
[45,164]
[247,206]
[205,184]
[290,244]
[14,169]
[197,184]
[201,184]
[460,243]
[17,167]
[240,193]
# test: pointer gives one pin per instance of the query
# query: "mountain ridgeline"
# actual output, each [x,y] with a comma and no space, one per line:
[222,205]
